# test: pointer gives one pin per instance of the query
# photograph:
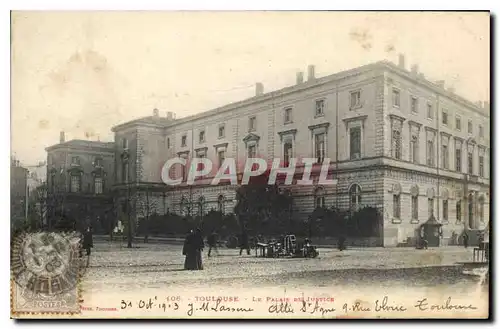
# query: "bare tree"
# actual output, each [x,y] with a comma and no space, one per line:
[146,207]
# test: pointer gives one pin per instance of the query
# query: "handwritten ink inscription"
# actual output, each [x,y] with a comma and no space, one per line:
[289,306]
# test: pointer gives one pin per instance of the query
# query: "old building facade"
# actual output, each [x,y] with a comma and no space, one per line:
[80,175]
[396,141]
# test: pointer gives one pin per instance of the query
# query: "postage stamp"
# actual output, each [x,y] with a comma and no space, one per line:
[257,165]
[46,268]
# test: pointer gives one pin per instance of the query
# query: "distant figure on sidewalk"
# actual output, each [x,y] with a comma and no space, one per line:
[341,243]
[244,242]
[88,242]
[466,240]
[192,250]
[212,243]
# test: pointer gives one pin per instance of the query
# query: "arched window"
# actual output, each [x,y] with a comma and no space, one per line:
[471,211]
[319,197]
[354,197]
[396,201]
[220,203]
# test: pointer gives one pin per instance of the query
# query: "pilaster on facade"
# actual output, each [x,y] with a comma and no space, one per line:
[271,126]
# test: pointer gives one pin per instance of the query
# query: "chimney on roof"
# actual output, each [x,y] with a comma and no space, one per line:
[486,105]
[310,73]
[170,116]
[414,69]
[300,77]
[259,89]
[421,76]
[156,113]
[401,61]
[440,83]
[451,90]
[62,138]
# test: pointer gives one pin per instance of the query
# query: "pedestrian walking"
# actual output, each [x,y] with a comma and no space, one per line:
[212,243]
[466,240]
[88,241]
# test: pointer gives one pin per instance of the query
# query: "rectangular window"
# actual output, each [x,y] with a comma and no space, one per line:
[125,172]
[444,117]
[469,127]
[320,107]
[184,168]
[396,206]
[98,185]
[355,100]
[125,143]
[444,156]
[430,207]
[414,207]
[481,131]
[430,153]
[445,210]
[481,165]
[75,160]
[459,211]
[430,113]
[458,159]
[222,131]
[202,136]
[183,140]
[469,163]
[355,142]
[397,140]
[252,151]
[458,123]
[414,104]
[75,183]
[200,155]
[222,156]
[288,115]
[287,152]
[396,101]
[168,143]
[319,145]
[414,149]
[252,123]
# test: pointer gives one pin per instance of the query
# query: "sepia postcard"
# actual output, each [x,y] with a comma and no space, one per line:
[250,165]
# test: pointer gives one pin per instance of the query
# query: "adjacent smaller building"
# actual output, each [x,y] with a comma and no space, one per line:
[79,176]
[18,192]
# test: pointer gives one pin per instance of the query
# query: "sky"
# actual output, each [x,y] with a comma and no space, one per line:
[84,72]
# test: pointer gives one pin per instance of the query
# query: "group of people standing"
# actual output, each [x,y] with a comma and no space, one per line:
[194,245]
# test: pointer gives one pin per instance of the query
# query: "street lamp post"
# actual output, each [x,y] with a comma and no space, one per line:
[125,158]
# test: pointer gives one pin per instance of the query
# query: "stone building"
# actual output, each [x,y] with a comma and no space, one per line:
[18,192]
[396,141]
[80,175]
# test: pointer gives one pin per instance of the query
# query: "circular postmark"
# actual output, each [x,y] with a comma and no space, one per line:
[47,263]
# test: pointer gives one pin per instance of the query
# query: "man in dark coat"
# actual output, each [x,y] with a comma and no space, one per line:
[212,243]
[244,242]
[88,242]
[466,240]
[193,246]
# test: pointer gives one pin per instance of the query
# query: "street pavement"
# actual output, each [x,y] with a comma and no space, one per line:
[112,266]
